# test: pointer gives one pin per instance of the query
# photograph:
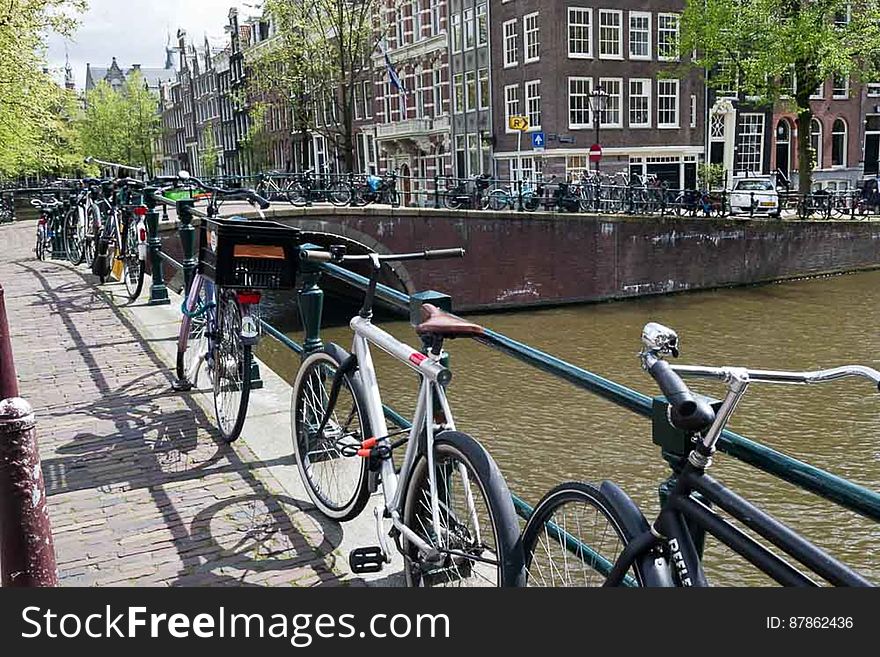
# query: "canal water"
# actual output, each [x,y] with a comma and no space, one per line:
[542,431]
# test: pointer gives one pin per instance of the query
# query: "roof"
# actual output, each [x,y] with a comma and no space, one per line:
[153,76]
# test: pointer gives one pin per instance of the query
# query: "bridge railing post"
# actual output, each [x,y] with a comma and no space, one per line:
[311,304]
[158,291]
[436,192]
[519,199]
[187,234]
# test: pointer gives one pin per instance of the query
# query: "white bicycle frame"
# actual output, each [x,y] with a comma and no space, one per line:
[433,377]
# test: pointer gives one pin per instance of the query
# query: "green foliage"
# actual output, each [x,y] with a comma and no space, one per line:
[208,151]
[35,114]
[257,143]
[122,126]
[780,51]
[710,176]
[321,53]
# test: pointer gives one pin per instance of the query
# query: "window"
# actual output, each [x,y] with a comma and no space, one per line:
[667,103]
[610,34]
[611,115]
[511,104]
[579,114]
[873,89]
[473,154]
[639,35]
[693,111]
[482,25]
[484,88]
[438,93]
[667,37]
[838,143]
[470,91]
[840,90]
[510,44]
[639,103]
[576,166]
[469,35]
[750,149]
[533,104]
[816,142]
[532,41]
[416,14]
[458,83]
[580,32]
[819,94]
[460,156]
[456,32]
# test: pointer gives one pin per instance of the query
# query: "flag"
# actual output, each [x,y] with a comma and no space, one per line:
[392,73]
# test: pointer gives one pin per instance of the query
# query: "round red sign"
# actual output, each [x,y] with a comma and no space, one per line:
[595,153]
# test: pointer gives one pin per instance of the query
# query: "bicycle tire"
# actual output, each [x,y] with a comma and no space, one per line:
[463,564]
[134,280]
[339,194]
[190,360]
[232,366]
[451,200]
[297,195]
[499,200]
[316,457]
[539,543]
[40,250]
[72,245]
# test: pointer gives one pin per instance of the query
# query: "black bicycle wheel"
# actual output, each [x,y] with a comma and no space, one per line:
[231,370]
[499,200]
[132,265]
[478,544]
[72,239]
[574,538]
[297,194]
[452,200]
[339,193]
[336,483]
[42,242]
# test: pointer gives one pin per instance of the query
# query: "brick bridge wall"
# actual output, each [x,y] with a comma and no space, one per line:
[519,260]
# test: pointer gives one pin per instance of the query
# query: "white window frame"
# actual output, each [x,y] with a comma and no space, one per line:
[640,14]
[507,103]
[647,85]
[589,25]
[573,125]
[845,94]
[537,33]
[482,14]
[530,84]
[693,123]
[751,118]
[820,146]
[666,125]
[483,98]
[677,17]
[507,37]
[602,14]
[845,158]
[456,30]
[604,84]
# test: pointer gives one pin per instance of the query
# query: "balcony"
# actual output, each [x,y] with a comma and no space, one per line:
[412,128]
[414,50]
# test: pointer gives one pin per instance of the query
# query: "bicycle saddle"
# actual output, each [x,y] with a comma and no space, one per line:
[437,322]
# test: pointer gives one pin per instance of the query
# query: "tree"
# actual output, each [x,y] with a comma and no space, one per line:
[122,126]
[257,143]
[321,54]
[780,51]
[208,151]
[35,114]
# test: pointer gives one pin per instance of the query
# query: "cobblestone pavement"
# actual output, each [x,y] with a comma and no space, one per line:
[140,490]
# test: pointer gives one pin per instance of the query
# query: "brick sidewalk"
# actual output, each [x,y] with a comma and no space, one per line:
[140,491]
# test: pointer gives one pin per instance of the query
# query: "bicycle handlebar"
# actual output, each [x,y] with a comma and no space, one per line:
[327,256]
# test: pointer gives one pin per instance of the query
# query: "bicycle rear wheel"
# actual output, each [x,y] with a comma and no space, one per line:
[42,242]
[297,194]
[132,265]
[573,539]
[73,243]
[478,543]
[232,370]
[336,483]
[339,193]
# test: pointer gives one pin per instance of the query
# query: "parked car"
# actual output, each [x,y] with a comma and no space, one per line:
[757,195]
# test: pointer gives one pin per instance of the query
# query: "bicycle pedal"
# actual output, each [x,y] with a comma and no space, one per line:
[366,560]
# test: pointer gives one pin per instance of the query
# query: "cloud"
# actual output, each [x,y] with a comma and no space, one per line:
[136,31]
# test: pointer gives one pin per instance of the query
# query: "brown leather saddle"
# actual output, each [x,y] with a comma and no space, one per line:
[437,322]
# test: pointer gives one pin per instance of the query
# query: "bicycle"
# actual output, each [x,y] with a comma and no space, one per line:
[122,236]
[467,194]
[669,551]
[220,323]
[46,225]
[310,187]
[274,186]
[375,189]
[344,451]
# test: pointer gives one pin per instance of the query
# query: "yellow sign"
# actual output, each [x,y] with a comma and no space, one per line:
[520,123]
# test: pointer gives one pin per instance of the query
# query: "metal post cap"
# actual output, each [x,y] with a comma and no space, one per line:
[16,414]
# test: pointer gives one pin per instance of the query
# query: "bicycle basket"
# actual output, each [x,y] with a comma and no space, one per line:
[251,254]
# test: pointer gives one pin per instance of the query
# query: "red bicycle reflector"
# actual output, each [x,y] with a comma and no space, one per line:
[417,359]
[142,235]
[249,298]
[140,211]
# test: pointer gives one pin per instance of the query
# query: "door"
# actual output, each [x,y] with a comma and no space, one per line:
[406,185]
[783,148]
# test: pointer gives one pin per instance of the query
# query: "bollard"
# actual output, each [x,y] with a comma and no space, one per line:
[188,241]
[519,200]
[27,550]
[311,304]
[8,378]
[158,292]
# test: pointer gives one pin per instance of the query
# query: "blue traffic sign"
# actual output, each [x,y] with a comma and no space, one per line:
[538,140]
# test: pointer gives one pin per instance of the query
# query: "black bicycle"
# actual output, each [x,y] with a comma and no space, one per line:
[583,535]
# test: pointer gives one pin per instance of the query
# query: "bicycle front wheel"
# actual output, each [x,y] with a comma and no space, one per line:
[195,322]
[478,539]
[339,193]
[42,242]
[72,240]
[232,371]
[336,483]
[574,538]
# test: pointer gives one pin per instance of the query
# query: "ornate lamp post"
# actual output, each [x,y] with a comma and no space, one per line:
[598,103]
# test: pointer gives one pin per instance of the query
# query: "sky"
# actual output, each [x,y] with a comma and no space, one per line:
[136,31]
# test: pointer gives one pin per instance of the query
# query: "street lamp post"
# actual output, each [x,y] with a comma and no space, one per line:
[598,103]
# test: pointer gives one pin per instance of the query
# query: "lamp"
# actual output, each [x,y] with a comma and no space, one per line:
[598,103]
